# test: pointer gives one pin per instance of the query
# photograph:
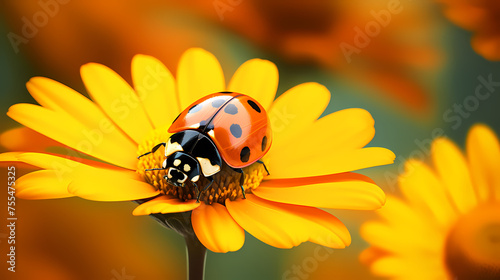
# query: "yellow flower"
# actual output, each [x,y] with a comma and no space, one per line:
[448,226]
[310,160]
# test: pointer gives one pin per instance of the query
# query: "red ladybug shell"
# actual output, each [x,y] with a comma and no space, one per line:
[237,123]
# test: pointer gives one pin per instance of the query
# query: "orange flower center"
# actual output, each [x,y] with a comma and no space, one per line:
[226,182]
[473,245]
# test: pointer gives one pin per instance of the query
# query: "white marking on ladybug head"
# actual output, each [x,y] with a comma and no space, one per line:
[207,168]
[164,165]
[211,133]
[177,162]
[181,181]
[186,167]
[195,178]
[195,126]
[176,175]
[172,148]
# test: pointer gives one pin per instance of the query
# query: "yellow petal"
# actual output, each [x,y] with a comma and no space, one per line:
[165,204]
[339,191]
[483,152]
[155,87]
[60,98]
[397,212]
[9,156]
[420,186]
[199,74]
[90,182]
[216,229]
[26,139]
[64,166]
[258,79]
[295,110]
[105,185]
[340,131]
[398,240]
[58,126]
[117,99]
[330,162]
[454,174]
[408,226]
[42,184]
[46,161]
[351,128]
[411,268]
[285,226]
[371,254]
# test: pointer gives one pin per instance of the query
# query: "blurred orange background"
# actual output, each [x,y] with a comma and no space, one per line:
[404,61]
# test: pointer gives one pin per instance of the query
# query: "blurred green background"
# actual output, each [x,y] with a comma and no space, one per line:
[409,77]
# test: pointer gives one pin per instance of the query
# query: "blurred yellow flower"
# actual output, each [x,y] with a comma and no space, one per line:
[481,17]
[310,160]
[448,226]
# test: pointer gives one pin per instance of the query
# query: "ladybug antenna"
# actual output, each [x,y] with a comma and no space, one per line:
[153,150]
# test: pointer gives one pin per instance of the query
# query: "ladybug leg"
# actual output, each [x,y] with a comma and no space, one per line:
[211,179]
[242,180]
[154,169]
[197,191]
[265,167]
[154,149]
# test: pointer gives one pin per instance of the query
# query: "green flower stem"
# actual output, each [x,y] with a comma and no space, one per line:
[196,252]
[196,256]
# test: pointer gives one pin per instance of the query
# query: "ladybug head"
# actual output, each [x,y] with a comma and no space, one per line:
[181,166]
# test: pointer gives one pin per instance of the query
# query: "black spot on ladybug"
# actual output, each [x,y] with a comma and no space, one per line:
[195,108]
[236,130]
[254,105]
[231,109]
[264,143]
[226,92]
[206,126]
[217,103]
[245,154]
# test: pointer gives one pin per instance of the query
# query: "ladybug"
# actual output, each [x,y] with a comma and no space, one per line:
[221,127]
